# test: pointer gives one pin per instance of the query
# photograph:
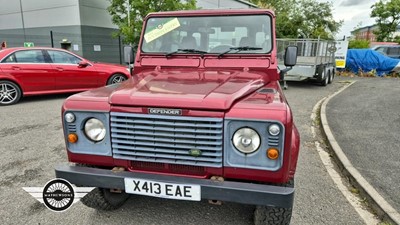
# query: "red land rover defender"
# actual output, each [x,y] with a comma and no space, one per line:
[203,117]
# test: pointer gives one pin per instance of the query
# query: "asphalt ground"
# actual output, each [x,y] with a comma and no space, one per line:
[365,120]
[32,143]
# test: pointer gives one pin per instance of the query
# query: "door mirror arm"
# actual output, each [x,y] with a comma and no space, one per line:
[83,64]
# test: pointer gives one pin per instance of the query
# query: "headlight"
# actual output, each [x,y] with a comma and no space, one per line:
[274,130]
[69,117]
[95,130]
[246,140]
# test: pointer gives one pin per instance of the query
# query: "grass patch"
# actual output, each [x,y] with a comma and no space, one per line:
[354,190]
[371,73]
[384,223]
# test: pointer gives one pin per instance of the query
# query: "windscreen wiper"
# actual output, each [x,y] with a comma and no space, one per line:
[187,50]
[238,49]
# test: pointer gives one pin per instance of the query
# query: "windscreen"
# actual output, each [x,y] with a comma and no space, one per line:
[209,34]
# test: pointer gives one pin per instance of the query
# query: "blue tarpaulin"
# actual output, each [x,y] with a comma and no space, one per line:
[367,60]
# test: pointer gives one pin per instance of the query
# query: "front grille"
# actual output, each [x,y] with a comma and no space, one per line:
[167,139]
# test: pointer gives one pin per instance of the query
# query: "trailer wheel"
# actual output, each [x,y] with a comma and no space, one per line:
[325,78]
[329,77]
[332,76]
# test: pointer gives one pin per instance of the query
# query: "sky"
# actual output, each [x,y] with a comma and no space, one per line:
[352,12]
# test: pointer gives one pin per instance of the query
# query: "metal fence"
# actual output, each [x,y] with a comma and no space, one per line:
[309,51]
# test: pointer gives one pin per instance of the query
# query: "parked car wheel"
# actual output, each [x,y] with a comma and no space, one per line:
[116,78]
[10,93]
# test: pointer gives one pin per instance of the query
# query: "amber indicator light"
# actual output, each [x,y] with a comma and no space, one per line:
[272,153]
[72,138]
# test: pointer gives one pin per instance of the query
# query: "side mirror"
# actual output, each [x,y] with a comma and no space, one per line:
[290,60]
[290,56]
[129,55]
[83,64]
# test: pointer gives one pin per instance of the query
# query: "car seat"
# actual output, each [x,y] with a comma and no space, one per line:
[188,42]
[244,41]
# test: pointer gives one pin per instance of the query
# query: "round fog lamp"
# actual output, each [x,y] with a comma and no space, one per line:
[69,117]
[95,129]
[274,130]
[246,140]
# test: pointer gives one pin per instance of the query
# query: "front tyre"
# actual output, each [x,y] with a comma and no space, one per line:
[266,215]
[116,78]
[10,93]
[103,199]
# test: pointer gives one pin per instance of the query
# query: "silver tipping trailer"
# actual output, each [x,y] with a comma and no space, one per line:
[315,60]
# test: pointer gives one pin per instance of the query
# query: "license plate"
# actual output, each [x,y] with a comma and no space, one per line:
[163,190]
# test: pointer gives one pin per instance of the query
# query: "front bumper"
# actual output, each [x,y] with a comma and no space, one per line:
[239,192]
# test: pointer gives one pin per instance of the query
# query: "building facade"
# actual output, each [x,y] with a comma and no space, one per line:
[81,26]
[367,33]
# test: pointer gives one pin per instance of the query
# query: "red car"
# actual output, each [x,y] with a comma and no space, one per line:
[38,71]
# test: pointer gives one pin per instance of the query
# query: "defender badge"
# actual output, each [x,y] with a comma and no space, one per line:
[176,112]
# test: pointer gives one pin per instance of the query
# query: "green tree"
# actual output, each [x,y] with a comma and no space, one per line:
[138,9]
[397,39]
[387,14]
[358,43]
[304,18]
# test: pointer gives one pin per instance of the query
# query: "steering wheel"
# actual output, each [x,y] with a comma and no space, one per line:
[221,48]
